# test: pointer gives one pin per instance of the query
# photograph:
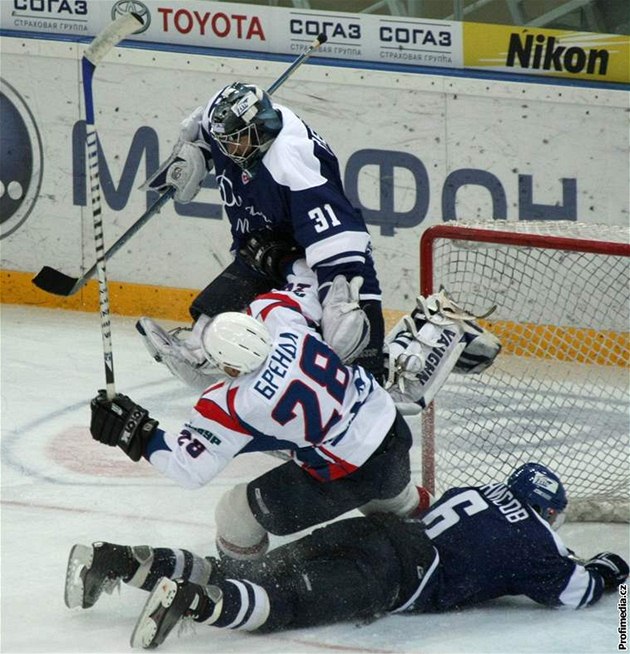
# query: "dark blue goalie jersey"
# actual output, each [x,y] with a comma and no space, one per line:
[489,545]
[297,192]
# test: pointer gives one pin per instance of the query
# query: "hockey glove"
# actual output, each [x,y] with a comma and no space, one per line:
[269,255]
[121,422]
[184,171]
[611,567]
[188,165]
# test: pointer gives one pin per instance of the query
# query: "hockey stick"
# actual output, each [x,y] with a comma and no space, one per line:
[54,281]
[320,40]
[100,46]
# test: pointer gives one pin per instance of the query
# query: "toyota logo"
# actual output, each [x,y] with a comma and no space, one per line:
[133,6]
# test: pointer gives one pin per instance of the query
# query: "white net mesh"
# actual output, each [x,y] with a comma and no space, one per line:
[559,391]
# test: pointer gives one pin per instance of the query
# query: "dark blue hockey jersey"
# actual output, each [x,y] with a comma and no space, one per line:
[488,545]
[297,191]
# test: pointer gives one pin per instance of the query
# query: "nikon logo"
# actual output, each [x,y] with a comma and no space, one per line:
[542,52]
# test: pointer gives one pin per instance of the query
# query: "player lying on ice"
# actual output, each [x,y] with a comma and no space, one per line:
[473,545]
[285,389]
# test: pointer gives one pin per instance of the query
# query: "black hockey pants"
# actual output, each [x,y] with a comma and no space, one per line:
[349,570]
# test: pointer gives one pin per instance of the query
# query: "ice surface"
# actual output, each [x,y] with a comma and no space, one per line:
[59,487]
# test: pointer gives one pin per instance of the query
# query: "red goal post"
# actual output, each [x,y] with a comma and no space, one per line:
[558,392]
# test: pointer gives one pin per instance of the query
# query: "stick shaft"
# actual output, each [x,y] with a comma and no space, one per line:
[102,44]
[297,63]
[97,224]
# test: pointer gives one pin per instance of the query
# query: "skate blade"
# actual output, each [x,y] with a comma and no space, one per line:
[81,557]
[147,626]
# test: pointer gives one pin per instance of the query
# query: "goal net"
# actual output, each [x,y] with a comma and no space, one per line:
[558,393]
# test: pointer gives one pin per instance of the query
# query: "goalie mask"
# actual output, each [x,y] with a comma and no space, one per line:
[542,490]
[237,341]
[243,123]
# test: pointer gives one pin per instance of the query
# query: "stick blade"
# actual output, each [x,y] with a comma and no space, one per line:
[121,28]
[55,282]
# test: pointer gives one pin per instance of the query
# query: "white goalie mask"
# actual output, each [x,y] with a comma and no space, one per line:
[236,340]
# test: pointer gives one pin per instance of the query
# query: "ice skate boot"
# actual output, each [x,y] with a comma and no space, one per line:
[172,602]
[100,568]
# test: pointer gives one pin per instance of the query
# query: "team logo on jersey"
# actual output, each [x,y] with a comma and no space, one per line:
[133,6]
[21,160]
[226,189]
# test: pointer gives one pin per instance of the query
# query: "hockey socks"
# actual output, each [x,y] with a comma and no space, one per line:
[245,606]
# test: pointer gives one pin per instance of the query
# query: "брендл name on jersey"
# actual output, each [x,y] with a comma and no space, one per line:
[278,362]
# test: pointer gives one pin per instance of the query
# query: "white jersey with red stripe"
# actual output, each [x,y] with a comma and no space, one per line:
[329,416]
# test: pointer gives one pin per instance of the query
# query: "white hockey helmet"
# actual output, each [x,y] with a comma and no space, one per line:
[237,341]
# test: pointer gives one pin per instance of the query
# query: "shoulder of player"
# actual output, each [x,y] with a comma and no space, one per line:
[293,160]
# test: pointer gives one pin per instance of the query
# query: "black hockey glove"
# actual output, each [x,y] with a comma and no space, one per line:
[610,566]
[269,254]
[121,422]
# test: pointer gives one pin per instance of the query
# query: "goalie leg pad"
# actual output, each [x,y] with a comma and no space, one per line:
[481,350]
[239,535]
[420,363]
[345,326]
[180,351]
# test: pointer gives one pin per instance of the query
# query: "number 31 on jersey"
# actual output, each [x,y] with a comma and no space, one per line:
[323,218]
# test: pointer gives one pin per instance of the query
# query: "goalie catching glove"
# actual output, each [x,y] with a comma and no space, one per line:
[345,327]
[270,255]
[613,569]
[188,165]
[426,346]
[121,422]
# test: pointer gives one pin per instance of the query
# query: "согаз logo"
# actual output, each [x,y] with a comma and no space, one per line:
[21,163]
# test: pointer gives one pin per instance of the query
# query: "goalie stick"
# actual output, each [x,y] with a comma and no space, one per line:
[96,51]
[56,282]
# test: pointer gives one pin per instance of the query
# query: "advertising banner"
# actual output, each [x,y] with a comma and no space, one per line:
[554,53]
[252,28]
[380,41]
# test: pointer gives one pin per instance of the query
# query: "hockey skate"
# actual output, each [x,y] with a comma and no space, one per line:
[180,351]
[93,570]
[170,603]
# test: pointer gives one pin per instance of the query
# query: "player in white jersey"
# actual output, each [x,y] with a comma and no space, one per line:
[283,194]
[473,545]
[285,390]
